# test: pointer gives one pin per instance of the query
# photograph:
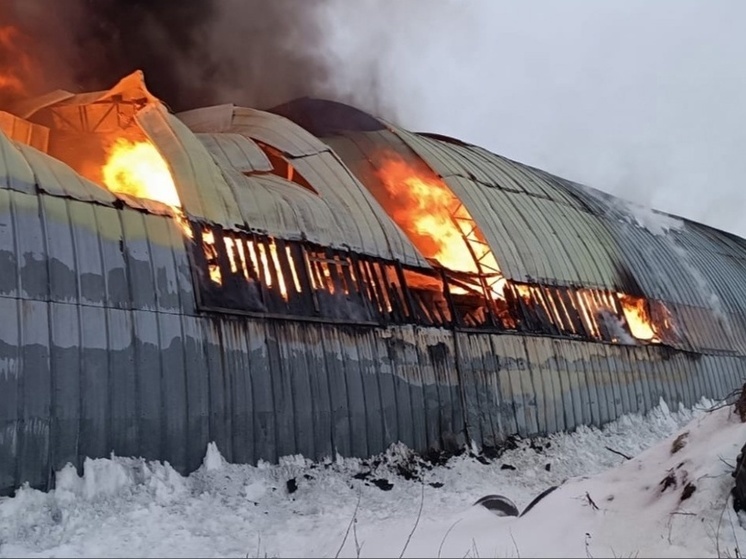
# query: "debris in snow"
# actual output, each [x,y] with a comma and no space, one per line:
[383,484]
[292,486]
[538,498]
[499,505]
[590,501]
[679,442]
[741,404]
[625,456]
[739,490]
[689,489]
[668,481]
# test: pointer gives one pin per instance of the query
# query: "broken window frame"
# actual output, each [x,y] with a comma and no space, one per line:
[270,277]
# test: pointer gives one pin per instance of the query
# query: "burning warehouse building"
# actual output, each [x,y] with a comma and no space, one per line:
[313,280]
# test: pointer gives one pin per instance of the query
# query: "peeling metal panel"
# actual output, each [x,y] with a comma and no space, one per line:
[363,222]
[349,192]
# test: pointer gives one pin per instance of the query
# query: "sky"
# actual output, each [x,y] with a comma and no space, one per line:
[643,100]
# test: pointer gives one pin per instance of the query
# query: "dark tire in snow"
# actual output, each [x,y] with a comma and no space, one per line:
[499,505]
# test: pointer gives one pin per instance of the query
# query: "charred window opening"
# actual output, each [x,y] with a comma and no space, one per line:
[249,272]
[253,273]
[283,168]
[589,314]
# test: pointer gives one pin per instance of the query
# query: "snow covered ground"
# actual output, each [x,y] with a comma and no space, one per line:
[606,506]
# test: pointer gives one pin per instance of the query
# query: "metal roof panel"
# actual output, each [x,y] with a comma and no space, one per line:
[239,151]
[277,131]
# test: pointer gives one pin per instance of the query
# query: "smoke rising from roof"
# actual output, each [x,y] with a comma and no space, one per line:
[194,53]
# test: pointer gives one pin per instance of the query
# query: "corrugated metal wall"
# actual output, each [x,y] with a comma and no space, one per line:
[101,350]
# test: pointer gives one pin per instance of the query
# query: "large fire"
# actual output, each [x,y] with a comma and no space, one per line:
[138,169]
[638,318]
[437,222]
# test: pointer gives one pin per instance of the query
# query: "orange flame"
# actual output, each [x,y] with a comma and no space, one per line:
[638,318]
[257,253]
[138,169]
[436,221]
[423,208]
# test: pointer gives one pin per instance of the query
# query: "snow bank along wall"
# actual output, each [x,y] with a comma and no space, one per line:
[322,282]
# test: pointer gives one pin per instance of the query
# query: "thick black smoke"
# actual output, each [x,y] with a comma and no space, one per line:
[193,52]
